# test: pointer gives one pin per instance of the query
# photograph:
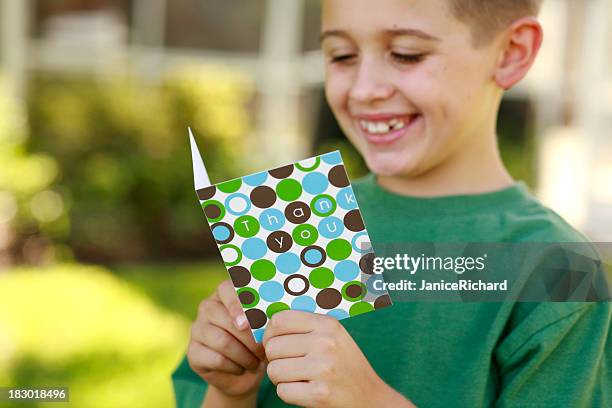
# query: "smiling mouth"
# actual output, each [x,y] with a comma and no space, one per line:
[386,130]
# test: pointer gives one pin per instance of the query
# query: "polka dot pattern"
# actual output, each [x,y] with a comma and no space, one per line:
[293,238]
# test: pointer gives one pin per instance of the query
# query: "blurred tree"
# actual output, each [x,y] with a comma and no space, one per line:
[125,164]
[29,210]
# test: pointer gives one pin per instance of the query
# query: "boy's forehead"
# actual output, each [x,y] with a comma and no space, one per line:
[364,15]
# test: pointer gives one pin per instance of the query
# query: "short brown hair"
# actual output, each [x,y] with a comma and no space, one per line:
[487,17]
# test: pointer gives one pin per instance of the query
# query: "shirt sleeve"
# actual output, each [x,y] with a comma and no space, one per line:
[557,355]
[189,388]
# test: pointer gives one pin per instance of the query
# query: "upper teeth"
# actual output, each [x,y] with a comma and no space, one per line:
[382,127]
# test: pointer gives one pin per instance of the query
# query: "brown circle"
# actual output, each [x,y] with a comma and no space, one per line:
[229,227]
[212,211]
[329,298]
[337,176]
[279,241]
[257,318]
[297,212]
[354,291]
[296,276]
[353,221]
[382,301]
[206,193]
[313,248]
[282,172]
[240,276]
[263,197]
[246,297]
[366,263]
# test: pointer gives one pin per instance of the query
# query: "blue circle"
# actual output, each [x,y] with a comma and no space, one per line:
[256,179]
[332,158]
[259,334]
[272,219]
[313,256]
[372,288]
[315,183]
[338,314]
[346,199]
[331,227]
[304,303]
[237,195]
[356,247]
[254,248]
[346,270]
[271,291]
[221,232]
[288,263]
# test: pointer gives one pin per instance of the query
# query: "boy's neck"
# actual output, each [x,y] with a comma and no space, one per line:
[478,171]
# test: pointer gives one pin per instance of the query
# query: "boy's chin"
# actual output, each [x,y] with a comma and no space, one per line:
[389,166]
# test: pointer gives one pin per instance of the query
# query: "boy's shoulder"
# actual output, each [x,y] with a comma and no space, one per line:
[536,222]
[515,213]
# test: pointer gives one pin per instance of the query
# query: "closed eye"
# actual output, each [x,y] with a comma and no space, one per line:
[408,58]
[342,58]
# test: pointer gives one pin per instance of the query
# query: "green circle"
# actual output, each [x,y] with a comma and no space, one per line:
[275,308]
[360,307]
[216,204]
[350,299]
[289,189]
[238,251]
[230,186]
[305,234]
[263,270]
[323,212]
[321,278]
[338,249]
[246,226]
[255,296]
[311,168]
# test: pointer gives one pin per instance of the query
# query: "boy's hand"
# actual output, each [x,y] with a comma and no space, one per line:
[314,362]
[222,349]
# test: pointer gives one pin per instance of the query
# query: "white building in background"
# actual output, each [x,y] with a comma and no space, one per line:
[572,75]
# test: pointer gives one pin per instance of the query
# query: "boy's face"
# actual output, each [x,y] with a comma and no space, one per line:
[406,84]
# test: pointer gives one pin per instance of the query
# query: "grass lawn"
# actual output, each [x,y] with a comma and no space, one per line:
[178,287]
[113,335]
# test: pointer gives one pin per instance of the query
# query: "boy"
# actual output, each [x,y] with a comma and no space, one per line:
[416,86]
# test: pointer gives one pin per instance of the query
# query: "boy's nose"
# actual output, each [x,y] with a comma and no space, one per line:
[371,83]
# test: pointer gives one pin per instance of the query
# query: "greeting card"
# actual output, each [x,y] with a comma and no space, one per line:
[292,238]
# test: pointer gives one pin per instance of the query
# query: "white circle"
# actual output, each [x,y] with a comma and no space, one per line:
[363,243]
[296,285]
[308,163]
[226,254]
[238,204]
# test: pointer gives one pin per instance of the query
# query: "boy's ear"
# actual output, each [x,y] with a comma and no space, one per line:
[522,42]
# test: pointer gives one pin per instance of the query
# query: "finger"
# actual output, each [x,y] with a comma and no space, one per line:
[287,346]
[301,393]
[218,315]
[227,295]
[204,359]
[290,322]
[290,370]
[223,342]
[224,380]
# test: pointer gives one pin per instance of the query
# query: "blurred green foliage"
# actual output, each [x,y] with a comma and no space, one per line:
[26,201]
[113,341]
[123,156]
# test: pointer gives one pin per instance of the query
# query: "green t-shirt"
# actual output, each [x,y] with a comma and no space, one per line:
[470,354]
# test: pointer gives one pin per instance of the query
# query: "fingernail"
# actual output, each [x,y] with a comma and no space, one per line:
[241,321]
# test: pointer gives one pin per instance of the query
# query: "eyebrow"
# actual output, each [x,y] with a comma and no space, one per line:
[412,32]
